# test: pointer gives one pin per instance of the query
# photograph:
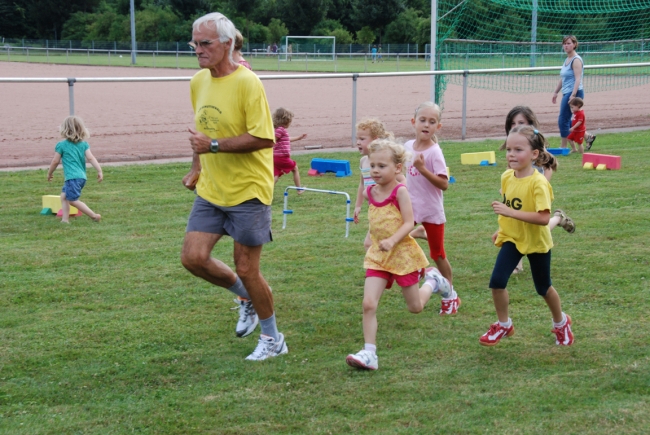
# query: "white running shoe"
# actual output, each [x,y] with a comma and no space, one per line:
[267,347]
[248,319]
[438,283]
[364,359]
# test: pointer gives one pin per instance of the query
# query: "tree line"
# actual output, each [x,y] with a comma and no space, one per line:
[267,21]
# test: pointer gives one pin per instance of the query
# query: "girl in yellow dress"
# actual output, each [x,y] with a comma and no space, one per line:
[394,254]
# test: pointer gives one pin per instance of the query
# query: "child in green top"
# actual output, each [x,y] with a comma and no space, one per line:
[73,153]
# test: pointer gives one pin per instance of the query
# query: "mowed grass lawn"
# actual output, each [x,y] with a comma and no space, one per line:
[102,331]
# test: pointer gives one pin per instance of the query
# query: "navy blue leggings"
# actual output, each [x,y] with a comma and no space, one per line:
[509,256]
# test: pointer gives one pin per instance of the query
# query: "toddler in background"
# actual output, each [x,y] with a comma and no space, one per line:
[73,152]
[282,163]
[578,126]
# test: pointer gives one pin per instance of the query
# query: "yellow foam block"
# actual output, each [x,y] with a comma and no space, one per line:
[601,167]
[448,172]
[477,158]
[53,202]
[588,165]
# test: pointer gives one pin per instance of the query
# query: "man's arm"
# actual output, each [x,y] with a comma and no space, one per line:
[245,143]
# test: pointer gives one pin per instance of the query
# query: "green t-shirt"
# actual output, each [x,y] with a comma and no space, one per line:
[73,158]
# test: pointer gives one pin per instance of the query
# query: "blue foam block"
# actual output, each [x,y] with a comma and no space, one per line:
[559,151]
[340,167]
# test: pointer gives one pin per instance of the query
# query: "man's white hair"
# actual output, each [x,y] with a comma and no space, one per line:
[222,25]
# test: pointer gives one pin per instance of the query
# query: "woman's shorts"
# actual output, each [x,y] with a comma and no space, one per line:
[282,165]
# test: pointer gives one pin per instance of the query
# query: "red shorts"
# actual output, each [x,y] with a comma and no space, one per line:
[402,280]
[436,240]
[577,136]
[282,165]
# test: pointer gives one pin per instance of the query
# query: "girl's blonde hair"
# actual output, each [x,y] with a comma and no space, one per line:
[399,153]
[537,142]
[73,129]
[435,107]
[282,117]
[376,128]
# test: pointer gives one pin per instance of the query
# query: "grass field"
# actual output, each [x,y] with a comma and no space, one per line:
[103,332]
[343,63]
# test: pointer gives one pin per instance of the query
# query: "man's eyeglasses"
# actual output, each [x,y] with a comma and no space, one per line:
[203,44]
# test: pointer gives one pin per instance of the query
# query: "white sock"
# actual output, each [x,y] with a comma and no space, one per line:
[371,347]
[562,323]
[507,324]
[433,284]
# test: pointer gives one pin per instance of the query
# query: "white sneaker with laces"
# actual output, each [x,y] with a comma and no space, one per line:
[439,284]
[364,359]
[248,319]
[267,347]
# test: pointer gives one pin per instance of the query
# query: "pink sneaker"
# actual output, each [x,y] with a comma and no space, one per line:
[449,307]
[564,335]
[495,334]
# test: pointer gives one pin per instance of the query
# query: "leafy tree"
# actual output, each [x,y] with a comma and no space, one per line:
[277,30]
[325,27]
[376,14]
[366,36]
[341,11]
[302,15]
[155,23]
[76,28]
[342,36]
[12,19]
[258,33]
[190,8]
[403,29]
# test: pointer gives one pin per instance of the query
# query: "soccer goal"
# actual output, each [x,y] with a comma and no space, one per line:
[314,47]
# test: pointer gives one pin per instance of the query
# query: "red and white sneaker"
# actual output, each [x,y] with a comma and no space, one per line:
[449,306]
[564,335]
[495,334]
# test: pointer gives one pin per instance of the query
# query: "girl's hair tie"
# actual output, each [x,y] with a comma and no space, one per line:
[535,131]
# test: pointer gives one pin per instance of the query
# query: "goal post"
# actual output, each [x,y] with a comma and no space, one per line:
[318,47]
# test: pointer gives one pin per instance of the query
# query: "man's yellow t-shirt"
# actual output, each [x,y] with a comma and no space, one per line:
[533,193]
[228,107]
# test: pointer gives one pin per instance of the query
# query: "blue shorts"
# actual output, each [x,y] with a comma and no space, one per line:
[507,260]
[72,188]
[248,223]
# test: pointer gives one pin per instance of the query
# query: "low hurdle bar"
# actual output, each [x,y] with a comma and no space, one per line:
[286,210]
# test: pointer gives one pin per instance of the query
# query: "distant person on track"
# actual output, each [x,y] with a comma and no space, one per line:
[570,85]
[234,136]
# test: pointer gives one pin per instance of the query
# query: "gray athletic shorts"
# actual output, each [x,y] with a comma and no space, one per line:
[248,223]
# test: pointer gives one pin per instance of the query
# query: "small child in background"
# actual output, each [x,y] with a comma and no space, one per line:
[578,126]
[282,163]
[368,130]
[73,153]
[236,51]
[426,180]
[394,255]
[524,115]
[524,214]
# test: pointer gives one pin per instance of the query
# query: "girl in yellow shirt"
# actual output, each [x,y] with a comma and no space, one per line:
[524,213]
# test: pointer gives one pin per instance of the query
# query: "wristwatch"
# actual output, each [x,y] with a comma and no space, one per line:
[214,146]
